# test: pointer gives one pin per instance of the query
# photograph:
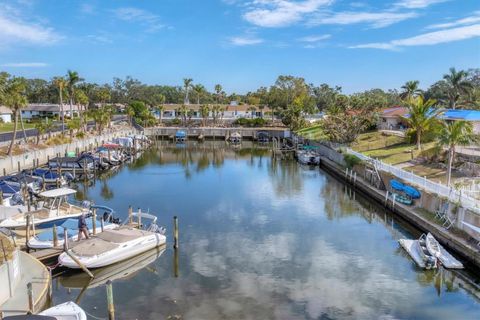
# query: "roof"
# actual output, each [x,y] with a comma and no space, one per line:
[196,107]
[49,107]
[57,193]
[5,110]
[394,112]
[459,114]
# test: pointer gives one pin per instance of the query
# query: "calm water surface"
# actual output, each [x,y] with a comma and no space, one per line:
[262,238]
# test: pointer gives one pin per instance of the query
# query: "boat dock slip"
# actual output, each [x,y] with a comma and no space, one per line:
[412,247]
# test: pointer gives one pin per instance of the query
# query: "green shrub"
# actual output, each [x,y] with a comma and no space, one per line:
[351,160]
[246,122]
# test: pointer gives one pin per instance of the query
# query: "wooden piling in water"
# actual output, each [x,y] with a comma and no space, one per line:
[139,218]
[1,197]
[110,304]
[130,214]
[31,303]
[94,221]
[27,236]
[102,224]
[175,232]
[65,239]
[55,235]
[175,262]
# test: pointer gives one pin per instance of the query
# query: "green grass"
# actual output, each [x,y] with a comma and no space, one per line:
[8,127]
[389,149]
[312,133]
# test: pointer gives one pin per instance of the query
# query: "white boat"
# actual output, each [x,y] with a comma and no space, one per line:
[235,137]
[112,246]
[44,240]
[308,157]
[432,245]
[429,259]
[65,311]
[54,207]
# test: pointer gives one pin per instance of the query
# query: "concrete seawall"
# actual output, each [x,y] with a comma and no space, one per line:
[26,160]
[216,133]
[456,244]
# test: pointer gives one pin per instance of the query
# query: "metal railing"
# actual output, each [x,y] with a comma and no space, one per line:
[449,192]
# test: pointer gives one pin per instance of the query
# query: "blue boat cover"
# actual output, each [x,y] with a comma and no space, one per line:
[397,185]
[72,229]
[6,188]
[181,134]
[45,173]
[412,192]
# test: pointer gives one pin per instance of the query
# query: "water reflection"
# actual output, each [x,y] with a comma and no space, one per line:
[265,238]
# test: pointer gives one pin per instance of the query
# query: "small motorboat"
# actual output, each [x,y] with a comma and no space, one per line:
[83,162]
[432,245]
[65,311]
[115,245]
[429,259]
[308,157]
[263,137]
[54,209]
[20,179]
[180,136]
[47,176]
[235,137]
[44,239]
[402,199]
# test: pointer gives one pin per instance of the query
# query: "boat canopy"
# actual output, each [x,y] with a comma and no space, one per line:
[6,188]
[47,174]
[412,192]
[180,134]
[60,192]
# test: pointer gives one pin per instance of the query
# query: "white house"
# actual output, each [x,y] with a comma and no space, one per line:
[392,118]
[227,112]
[42,110]
[5,114]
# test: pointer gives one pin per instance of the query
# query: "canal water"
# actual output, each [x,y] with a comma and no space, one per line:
[261,238]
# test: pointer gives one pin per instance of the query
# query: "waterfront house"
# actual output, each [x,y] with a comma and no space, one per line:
[51,110]
[472,116]
[5,114]
[392,118]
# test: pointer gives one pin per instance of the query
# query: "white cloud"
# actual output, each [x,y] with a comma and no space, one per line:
[151,21]
[475,18]
[281,13]
[427,39]
[315,38]
[416,4]
[245,40]
[375,19]
[13,29]
[25,65]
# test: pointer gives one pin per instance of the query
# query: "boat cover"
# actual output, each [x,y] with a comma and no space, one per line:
[412,192]
[45,173]
[72,229]
[180,134]
[6,188]
[397,185]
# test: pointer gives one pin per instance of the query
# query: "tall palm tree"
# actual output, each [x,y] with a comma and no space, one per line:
[457,85]
[421,116]
[15,99]
[183,111]
[187,84]
[410,90]
[61,84]
[199,90]
[218,91]
[160,109]
[72,79]
[455,133]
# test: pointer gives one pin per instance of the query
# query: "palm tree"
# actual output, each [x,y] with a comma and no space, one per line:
[82,100]
[187,84]
[421,116]
[41,129]
[160,109]
[204,111]
[14,99]
[218,91]
[457,85]
[130,113]
[199,90]
[61,84]
[183,111]
[410,90]
[455,133]
[72,79]
[74,125]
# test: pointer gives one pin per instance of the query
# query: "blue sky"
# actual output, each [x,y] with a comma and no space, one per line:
[242,45]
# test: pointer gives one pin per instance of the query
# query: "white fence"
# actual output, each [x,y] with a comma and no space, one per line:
[452,194]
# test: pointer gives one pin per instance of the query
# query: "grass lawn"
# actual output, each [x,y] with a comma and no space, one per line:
[312,133]
[8,127]
[389,149]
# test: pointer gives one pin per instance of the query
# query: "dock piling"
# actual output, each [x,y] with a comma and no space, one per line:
[65,239]
[94,221]
[28,217]
[139,218]
[130,217]
[102,224]
[175,262]
[110,304]
[31,304]
[55,235]
[175,232]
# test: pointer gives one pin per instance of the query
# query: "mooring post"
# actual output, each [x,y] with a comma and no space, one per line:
[386,198]
[130,214]
[94,221]
[28,217]
[50,287]
[55,236]
[139,218]
[31,304]
[58,182]
[110,305]
[102,224]
[1,197]
[175,232]
[65,239]
[175,262]
[44,186]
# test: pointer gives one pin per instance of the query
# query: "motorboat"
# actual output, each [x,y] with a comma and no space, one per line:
[235,137]
[54,208]
[428,258]
[181,136]
[308,157]
[65,311]
[18,180]
[8,190]
[432,245]
[48,176]
[84,162]
[44,239]
[115,245]
[263,137]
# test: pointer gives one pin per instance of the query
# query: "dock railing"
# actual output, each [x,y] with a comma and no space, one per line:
[454,195]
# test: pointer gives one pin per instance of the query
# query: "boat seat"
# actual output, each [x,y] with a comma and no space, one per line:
[122,235]
[93,246]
